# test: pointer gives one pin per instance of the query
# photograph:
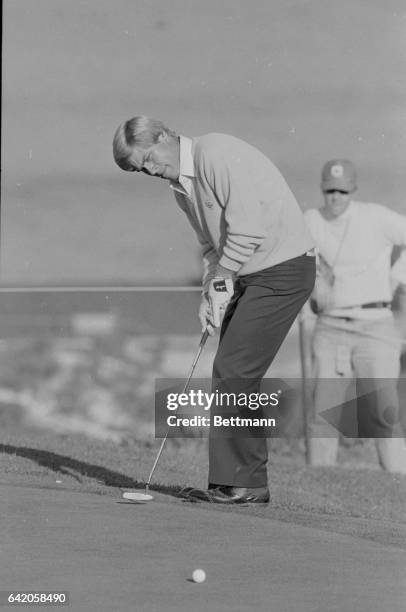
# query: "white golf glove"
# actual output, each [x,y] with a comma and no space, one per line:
[204,315]
[220,293]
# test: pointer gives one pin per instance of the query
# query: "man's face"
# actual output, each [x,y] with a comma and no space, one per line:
[161,159]
[336,202]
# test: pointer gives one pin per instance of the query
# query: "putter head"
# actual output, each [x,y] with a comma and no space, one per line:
[137,496]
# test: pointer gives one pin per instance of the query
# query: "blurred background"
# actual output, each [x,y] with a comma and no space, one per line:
[302,80]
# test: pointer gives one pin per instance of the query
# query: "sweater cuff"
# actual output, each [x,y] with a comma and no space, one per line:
[229,264]
[223,272]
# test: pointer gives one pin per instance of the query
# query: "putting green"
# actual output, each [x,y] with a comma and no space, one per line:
[115,555]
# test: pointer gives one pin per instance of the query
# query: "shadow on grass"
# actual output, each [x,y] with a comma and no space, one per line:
[75,468]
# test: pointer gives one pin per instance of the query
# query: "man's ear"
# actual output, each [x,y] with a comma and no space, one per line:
[163,137]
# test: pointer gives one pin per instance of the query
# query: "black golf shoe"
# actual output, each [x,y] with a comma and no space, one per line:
[193,494]
[239,495]
[222,494]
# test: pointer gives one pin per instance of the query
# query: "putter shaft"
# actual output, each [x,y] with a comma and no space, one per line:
[202,342]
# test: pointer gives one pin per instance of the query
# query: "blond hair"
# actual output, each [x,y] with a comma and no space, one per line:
[141,132]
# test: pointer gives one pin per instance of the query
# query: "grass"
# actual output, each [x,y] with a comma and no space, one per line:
[363,502]
[55,387]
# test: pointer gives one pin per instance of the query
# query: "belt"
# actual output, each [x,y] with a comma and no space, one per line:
[372,305]
[368,305]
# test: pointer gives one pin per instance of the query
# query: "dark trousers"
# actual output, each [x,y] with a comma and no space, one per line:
[257,320]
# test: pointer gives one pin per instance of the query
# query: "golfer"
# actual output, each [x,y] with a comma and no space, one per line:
[259,269]
[355,335]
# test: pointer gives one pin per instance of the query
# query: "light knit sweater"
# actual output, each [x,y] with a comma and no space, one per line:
[244,214]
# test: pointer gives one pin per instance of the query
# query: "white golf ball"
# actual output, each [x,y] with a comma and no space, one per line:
[199,575]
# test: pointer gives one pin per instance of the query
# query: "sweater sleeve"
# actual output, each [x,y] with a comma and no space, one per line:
[398,270]
[210,261]
[245,227]
[392,224]
[209,255]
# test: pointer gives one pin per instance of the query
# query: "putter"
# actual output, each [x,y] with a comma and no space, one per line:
[137,496]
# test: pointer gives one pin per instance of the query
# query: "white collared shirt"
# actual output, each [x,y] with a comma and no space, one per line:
[186,169]
[357,247]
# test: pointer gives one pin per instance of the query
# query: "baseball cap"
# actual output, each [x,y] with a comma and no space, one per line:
[339,174]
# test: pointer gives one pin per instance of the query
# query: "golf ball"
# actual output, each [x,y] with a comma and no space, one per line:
[199,575]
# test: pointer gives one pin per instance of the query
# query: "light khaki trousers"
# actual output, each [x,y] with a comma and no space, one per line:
[351,358]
